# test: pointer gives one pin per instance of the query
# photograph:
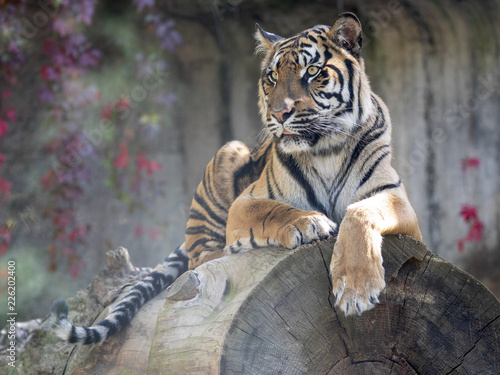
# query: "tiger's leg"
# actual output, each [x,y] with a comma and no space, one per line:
[356,267]
[255,223]
[226,176]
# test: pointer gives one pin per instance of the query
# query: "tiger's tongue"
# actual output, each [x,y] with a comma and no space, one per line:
[287,132]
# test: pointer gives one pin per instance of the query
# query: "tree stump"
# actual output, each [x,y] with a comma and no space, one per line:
[271,312]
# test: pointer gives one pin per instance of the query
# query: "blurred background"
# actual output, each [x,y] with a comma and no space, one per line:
[110,111]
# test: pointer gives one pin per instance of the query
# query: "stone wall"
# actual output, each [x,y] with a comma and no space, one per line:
[434,63]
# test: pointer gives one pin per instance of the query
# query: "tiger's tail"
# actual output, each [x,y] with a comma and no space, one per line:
[160,278]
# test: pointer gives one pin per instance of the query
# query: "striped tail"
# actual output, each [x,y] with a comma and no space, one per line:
[160,278]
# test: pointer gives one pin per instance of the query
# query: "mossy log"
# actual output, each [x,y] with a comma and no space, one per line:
[271,312]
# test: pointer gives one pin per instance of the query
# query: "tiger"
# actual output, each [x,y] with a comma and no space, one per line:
[323,168]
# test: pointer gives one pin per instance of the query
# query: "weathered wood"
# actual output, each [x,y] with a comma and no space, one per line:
[40,352]
[271,311]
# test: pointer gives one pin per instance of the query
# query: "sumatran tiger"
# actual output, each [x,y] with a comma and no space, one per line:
[323,168]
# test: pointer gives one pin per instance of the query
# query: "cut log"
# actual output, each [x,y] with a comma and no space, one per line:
[270,311]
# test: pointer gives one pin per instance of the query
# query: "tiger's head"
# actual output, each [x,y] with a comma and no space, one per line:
[313,91]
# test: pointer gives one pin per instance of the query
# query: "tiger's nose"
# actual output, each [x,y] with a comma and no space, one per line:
[283,114]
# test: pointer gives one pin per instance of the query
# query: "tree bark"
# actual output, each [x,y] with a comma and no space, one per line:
[270,311]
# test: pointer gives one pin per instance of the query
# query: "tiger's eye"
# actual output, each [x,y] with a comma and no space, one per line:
[274,76]
[312,70]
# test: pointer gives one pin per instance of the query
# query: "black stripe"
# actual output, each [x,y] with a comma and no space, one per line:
[252,239]
[243,171]
[379,189]
[111,326]
[305,45]
[123,320]
[197,215]
[365,140]
[201,229]
[319,104]
[207,186]
[312,39]
[135,294]
[199,242]
[350,70]
[280,192]
[260,161]
[73,337]
[370,136]
[146,294]
[128,308]
[179,266]
[269,188]
[203,203]
[289,162]
[369,157]
[159,280]
[372,168]
[90,334]
[360,108]
[177,256]
[267,216]
[251,192]
[339,74]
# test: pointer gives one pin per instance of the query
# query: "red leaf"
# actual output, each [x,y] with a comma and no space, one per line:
[1,159]
[472,163]
[74,270]
[106,112]
[11,115]
[78,233]
[476,231]
[3,128]
[461,243]
[153,166]
[48,47]
[121,160]
[154,233]
[3,248]
[123,103]
[48,73]
[138,231]
[5,186]
[144,163]
[468,212]
[5,238]
[6,94]
[48,180]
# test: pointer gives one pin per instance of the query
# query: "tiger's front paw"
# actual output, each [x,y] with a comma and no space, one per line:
[305,229]
[357,274]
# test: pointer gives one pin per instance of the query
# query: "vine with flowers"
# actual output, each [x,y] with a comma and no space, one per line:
[54,34]
[469,212]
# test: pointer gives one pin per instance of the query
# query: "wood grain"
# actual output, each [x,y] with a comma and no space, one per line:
[270,311]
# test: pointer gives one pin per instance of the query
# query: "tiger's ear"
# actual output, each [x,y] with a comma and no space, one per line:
[265,40]
[346,33]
